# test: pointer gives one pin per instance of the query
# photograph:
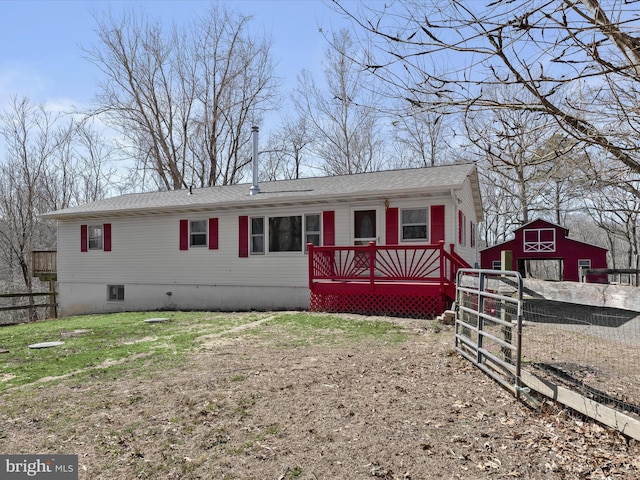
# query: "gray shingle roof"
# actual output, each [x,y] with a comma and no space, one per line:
[388,183]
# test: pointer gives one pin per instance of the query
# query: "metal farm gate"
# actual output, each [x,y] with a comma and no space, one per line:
[488,332]
[488,327]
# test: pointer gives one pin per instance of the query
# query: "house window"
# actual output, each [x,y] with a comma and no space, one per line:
[462,228]
[257,236]
[583,265]
[496,265]
[312,230]
[414,224]
[198,233]
[285,234]
[95,237]
[115,293]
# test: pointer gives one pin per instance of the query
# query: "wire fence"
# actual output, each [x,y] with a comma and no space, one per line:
[592,350]
[585,356]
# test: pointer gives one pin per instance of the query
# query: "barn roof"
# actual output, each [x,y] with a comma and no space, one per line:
[538,223]
[312,190]
[506,243]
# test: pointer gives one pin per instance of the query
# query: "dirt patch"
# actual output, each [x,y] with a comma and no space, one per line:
[267,407]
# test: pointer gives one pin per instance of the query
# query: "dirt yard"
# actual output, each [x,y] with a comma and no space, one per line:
[264,406]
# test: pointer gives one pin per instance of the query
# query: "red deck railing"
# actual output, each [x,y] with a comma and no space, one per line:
[414,280]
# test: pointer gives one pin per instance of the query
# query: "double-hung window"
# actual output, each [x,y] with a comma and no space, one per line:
[257,236]
[198,233]
[414,224]
[95,237]
[312,230]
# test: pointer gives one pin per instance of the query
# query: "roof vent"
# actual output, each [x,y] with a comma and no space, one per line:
[255,189]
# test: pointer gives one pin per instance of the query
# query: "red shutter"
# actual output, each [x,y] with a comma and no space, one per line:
[184,234]
[213,234]
[392,226]
[243,236]
[83,238]
[328,228]
[437,223]
[107,237]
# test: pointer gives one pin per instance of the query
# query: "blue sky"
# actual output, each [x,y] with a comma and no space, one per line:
[41,41]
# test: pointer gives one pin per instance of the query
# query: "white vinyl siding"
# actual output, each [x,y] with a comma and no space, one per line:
[464,202]
[149,265]
[161,262]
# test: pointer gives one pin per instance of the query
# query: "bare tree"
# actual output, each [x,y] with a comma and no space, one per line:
[421,136]
[343,115]
[287,150]
[615,211]
[562,192]
[577,61]
[81,169]
[499,220]
[49,162]
[511,144]
[30,142]
[185,99]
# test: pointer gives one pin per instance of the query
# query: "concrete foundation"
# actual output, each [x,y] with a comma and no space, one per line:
[598,295]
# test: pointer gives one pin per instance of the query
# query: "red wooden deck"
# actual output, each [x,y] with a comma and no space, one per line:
[412,281]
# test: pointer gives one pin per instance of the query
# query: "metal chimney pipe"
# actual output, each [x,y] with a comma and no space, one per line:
[255,189]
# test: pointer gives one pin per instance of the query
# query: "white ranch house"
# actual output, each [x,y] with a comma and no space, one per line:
[222,248]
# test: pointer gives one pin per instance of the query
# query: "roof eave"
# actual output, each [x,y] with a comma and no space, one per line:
[251,202]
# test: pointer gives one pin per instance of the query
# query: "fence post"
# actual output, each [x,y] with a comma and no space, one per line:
[310,254]
[480,318]
[452,249]
[53,308]
[443,267]
[506,259]
[372,263]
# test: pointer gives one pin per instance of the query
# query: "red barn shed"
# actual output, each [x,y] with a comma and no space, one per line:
[542,241]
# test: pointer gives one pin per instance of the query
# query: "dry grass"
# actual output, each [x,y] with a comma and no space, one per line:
[274,401]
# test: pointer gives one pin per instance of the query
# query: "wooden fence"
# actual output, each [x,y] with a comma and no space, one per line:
[620,276]
[44,261]
[51,304]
